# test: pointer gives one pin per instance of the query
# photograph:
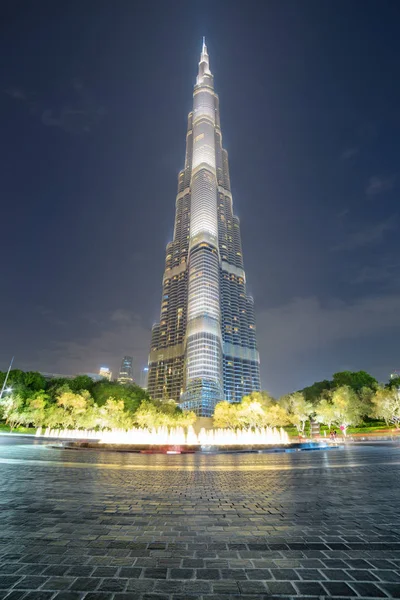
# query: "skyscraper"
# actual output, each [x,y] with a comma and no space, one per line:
[106,373]
[125,372]
[204,348]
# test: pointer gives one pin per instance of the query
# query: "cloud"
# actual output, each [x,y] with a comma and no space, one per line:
[379,185]
[121,333]
[72,120]
[16,93]
[305,324]
[386,272]
[349,153]
[368,235]
[80,116]
[343,213]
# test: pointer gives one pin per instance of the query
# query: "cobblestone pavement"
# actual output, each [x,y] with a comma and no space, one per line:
[102,526]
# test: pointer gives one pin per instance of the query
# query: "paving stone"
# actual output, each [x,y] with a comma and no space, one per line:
[68,596]
[367,589]
[129,572]
[310,588]
[280,587]
[393,589]
[207,574]
[236,574]
[157,573]
[60,583]
[335,575]
[30,582]
[337,588]
[197,587]
[284,574]
[112,584]
[39,595]
[259,574]
[168,586]
[251,587]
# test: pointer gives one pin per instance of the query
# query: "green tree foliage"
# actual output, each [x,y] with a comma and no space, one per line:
[356,380]
[34,381]
[324,412]
[348,407]
[81,382]
[298,410]
[74,407]
[258,409]
[314,392]
[132,395]
[11,407]
[386,404]
[114,416]
[83,404]
[226,415]
[394,382]
[153,414]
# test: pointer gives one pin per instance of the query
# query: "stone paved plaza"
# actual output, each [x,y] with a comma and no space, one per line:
[81,524]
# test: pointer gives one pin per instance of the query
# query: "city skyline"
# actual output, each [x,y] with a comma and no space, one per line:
[204,348]
[94,134]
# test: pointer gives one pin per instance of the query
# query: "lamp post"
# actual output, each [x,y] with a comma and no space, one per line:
[5,380]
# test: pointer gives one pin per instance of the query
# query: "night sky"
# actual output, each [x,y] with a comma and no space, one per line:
[93,111]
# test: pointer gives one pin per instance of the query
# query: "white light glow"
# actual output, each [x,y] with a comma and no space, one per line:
[177,436]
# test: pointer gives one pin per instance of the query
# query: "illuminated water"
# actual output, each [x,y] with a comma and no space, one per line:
[177,436]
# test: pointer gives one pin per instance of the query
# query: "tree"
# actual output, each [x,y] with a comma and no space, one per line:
[386,404]
[113,415]
[150,416]
[347,407]
[258,409]
[34,410]
[131,394]
[34,381]
[11,406]
[324,412]
[314,392]
[394,382]
[276,416]
[299,410]
[74,406]
[356,380]
[81,382]
[226,415]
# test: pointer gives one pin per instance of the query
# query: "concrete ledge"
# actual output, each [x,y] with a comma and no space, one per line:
[177,449]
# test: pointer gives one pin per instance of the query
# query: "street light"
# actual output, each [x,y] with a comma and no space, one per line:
[5,381]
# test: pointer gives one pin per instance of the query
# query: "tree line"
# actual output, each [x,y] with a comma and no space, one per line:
[348,399]
[81,403]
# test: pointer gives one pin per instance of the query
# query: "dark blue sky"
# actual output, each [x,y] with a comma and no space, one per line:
[93,104]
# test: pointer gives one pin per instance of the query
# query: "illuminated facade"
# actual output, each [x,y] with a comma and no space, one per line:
[204,348]
[125,373]
[105,373]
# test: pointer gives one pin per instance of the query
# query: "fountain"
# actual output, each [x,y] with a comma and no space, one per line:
[171,440]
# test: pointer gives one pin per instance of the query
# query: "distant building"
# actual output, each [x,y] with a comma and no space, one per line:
[144,376]
[49,376]
[395,375]
[106,373]
[125,372]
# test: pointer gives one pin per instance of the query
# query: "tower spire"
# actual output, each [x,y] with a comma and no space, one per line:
[204,64]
